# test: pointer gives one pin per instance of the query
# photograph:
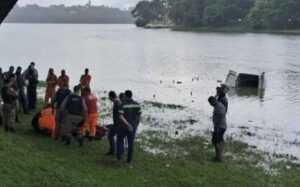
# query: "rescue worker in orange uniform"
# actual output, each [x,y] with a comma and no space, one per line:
[85,79]
[51,85]
[63,79]
[92,109]
[47,120]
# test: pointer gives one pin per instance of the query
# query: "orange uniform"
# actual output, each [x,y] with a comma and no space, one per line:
[92,118]
[51,85]
[63,81]
[85,80]
[47,120]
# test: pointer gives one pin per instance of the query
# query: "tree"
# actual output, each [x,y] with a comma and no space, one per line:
[227,12]
[146,12]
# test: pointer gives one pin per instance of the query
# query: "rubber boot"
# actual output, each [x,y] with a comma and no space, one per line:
[68,141]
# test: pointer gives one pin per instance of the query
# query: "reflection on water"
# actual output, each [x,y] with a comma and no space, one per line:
[151,62]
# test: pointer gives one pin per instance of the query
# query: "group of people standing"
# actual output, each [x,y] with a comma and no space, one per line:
[13,96]
[68,113]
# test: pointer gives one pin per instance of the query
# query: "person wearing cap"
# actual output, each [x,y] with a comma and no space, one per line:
[63,79]
[220,126]
[10,99]
[221,95]
[10,73]
[51,85]
[92,110]
[32,68]
[129,114]
[85,79]
[75,113]
[57,100]
[31,77]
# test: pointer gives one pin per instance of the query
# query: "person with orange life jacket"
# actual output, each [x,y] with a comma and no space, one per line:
[47,120]
[51,85]
[74,114]
[92,109]
[85,79]
[63,79]
[58,98]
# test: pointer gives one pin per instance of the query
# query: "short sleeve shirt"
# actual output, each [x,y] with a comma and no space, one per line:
[219,116]
[131,110]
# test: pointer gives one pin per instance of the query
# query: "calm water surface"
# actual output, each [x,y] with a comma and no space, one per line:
[149,61]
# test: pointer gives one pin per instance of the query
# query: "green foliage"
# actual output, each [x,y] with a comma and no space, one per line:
[146,11]
[275,14]
[187,12]
[227,12]
[256,14]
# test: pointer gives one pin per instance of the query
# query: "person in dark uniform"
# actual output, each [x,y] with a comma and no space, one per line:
[75,113]
[31,88]
[58,98]
[116,122]
[20,85]
[1,81]
[10,99]
[129,113]
[1,86]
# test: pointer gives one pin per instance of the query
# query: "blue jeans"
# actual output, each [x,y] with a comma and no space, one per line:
[120,144]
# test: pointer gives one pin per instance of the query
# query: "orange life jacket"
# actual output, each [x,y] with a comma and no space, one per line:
[47,120]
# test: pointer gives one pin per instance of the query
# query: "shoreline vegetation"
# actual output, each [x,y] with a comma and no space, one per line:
[236,16]
[44,161]
[222,29]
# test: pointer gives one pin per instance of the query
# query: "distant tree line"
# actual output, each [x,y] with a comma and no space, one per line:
[257,14]
[73,14]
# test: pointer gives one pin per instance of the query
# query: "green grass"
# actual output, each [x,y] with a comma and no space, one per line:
[27,159]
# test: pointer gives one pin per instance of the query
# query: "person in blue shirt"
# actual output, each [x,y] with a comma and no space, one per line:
[130,115]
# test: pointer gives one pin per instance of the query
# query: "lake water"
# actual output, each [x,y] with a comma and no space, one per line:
[149,61]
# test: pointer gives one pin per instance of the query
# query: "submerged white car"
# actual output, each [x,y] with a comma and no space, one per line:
[243,80]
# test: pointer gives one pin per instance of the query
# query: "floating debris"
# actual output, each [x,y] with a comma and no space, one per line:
[179,82]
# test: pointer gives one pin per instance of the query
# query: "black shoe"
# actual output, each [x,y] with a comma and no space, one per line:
[68,141]
[6,128]
[11,129]
[216,159]
[80,141]
[109,153]
[63,138]
[91,138]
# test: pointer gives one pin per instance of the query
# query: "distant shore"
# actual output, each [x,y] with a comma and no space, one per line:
[238,29]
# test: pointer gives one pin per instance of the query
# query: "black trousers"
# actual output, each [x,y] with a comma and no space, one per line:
[23,101]
[32,98]
[111,137]
[120,144]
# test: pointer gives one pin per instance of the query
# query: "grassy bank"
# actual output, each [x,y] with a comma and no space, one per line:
[236,30]
[28,159]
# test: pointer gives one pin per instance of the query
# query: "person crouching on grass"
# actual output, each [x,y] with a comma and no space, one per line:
[220,125]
